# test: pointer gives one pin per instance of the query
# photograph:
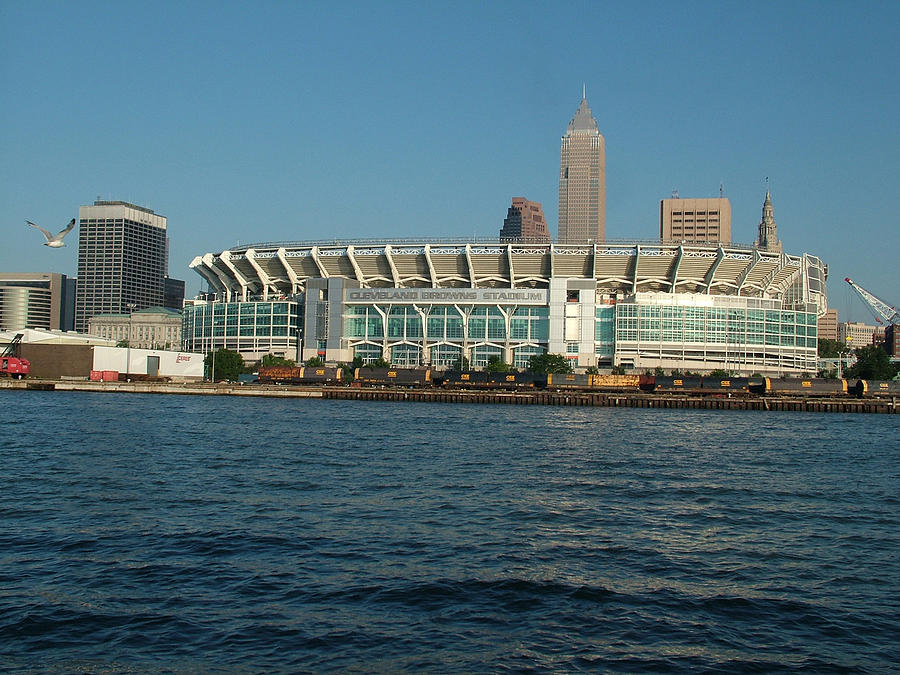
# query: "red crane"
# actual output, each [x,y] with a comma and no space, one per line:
[11,364]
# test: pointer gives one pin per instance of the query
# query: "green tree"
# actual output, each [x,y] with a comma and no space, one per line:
[718,372]
[832,349]
[462,363]
[496,365]
[224,364]
[272,360]
[549,363]
[314,362]
[873,363]
[122,343]
[592,370]
[618,370]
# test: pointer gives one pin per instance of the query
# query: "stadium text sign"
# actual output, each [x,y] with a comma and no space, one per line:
[493,296]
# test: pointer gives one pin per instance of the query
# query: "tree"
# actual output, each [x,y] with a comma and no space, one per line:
[549,363]
[873,363]
[592,370]
[122,343]
[496,365]
[718,372]
[832,349]
[462,363]
[272,360]
[314,362]
[618,370]
[224,364]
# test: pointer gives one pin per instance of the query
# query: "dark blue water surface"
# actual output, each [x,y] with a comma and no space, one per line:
[197,534]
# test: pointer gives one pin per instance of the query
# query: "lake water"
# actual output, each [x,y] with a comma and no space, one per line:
[143,533]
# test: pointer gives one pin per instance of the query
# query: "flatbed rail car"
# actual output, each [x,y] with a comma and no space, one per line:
[392,377]
[300,375]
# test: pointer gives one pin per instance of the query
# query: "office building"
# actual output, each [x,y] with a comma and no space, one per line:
[525,222]
[828,325]
[151,328]
[768,232]
[122,260]
[42,301]
[695,220]
[857,334]
[582,180]
[174,293]
[673,306]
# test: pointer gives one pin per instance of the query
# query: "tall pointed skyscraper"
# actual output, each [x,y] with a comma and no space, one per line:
[582,180]
[768,231]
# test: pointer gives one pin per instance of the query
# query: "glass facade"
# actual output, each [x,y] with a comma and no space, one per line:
[444,333]
[246,327]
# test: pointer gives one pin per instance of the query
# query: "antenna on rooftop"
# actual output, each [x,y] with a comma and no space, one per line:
[721,189]
[675,193]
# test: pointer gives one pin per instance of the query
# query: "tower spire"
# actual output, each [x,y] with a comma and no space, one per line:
[583,90]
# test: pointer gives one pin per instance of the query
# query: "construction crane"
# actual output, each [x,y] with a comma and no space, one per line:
[883,312]
[11,364]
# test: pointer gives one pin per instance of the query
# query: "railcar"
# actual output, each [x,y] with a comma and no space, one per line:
[876,388]
[798,386]
[675,385]
[299,375]
[726,385]
[392,377]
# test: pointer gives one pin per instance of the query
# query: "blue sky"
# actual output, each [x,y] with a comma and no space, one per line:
[270,121]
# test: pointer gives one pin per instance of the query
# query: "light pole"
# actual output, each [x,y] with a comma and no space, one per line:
[131,307]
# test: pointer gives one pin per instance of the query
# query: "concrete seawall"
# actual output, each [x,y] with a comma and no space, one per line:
[540,397]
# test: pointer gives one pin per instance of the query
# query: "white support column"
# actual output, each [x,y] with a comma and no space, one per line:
[314,253]
[291,274]
[201,268]
[512,272]
[471,267]
[394,273]
[675,268]
[225,257]
[226,281]
[741,279]
[434,278]
[712,270]
[356,269]
[263,277]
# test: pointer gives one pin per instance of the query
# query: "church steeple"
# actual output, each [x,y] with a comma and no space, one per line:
[768,231]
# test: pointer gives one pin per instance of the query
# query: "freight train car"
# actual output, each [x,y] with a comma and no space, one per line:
[673,385]
[587,382]
[798,386]
[392,377]
[726,385]
[299,375]
[479,379]
[876,388]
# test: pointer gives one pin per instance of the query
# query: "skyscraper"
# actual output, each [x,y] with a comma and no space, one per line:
[582,180]
[122,260]
[525,221]
[768,231]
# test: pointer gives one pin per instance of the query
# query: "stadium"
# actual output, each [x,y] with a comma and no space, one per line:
[632,305]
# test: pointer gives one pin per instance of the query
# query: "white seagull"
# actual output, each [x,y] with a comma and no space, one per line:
[54,241]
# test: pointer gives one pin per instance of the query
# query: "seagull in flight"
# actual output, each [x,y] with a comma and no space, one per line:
[54,241]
